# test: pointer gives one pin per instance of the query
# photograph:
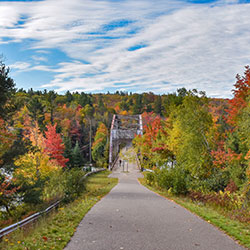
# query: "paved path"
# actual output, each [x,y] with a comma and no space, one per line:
[131,217]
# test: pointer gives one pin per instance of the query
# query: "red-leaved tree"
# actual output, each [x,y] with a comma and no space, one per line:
[7,192]
[241,92]
[55,146]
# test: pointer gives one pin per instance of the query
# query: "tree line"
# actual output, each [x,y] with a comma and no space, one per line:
[193,143]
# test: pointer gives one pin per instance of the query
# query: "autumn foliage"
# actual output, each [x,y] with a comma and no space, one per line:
[195,145]
[202,148]
[241,93]
[54,146]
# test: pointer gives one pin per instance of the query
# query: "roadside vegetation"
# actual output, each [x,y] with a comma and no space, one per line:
[54,230]
[216,215]
[200,152]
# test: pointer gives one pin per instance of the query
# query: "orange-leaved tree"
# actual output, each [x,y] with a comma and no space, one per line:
[239,101]
[55,146]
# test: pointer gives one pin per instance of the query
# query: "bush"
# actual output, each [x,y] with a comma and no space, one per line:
[173,178]
[164,178]
[150,178]
[217,181]
[32,193]
[179,182]
[54,188]
[74,184]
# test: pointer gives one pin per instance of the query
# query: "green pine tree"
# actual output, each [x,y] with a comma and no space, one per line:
[6,88]
[77,156]
[158,105]
[68,152]
[137,108]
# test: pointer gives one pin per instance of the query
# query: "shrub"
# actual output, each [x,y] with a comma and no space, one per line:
[169,178]
[74,184]
[32,193]
[231,187]
[217,181]
[164,178]
[54,188]
[179,182]
[150,178]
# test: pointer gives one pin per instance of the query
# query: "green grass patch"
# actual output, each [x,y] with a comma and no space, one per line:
[237,230]
[54,230]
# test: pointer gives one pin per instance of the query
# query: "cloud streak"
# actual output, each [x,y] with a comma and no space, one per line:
[175,44]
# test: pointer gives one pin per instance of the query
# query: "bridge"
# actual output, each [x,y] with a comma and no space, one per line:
[123,130]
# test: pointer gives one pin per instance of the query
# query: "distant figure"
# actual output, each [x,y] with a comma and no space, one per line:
[120,162]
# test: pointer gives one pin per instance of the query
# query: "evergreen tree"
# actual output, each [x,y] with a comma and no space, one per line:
[68,151]
[36,110]
[84,99]
[101,105]
[77,156]
[158,105]
[149,108]
[31,92]
[182,92]
[6,88]
[137,108]
[51,104]
[69,97]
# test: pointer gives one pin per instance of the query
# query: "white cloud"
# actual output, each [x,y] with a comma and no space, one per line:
[196,46]
[20,65]
[39,58]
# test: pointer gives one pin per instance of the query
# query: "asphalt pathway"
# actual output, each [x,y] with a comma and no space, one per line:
[131,217]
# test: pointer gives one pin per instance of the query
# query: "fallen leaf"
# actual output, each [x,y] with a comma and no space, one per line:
[45,238]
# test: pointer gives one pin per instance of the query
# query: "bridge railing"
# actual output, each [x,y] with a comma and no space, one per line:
[113,164]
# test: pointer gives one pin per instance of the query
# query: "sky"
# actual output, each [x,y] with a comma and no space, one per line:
[126,45]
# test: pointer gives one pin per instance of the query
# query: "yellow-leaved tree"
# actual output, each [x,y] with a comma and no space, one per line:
[100,146]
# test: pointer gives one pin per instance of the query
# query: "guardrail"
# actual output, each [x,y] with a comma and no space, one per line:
[27,220]
[33,217]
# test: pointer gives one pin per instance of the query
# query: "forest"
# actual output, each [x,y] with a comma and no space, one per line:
[196,146]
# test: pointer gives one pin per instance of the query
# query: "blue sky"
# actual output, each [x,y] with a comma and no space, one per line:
[143,45]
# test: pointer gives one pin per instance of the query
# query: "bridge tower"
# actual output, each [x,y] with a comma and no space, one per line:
[123,130]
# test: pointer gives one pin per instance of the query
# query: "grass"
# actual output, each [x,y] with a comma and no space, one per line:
[239,231]
[56,229]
